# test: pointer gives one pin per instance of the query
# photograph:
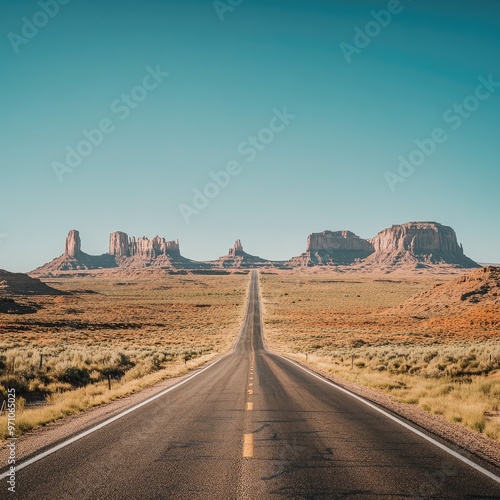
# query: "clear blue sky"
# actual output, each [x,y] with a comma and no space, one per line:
[325,170]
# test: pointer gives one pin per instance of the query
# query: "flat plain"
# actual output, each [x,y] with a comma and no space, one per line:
[351,326]
[128,332]
[132,332]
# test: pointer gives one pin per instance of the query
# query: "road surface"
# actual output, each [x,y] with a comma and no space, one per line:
[252,426]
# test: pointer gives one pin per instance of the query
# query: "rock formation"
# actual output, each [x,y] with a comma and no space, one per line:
[333,248]
[73,244]
[120,245]
[237,258]
[418,244]
[74,259]
[22,284]
[481,286]
[237,249]
[16,291]
[157,252]
[415,245]
[469,303]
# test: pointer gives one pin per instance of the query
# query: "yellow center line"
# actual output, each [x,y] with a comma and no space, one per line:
[250,391]
[250,384]
[249,406]
[247,445]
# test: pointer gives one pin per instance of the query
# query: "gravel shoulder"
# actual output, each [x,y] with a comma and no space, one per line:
[43,438]
[455,436]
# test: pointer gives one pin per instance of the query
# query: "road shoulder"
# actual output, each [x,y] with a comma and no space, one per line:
[43,438]
[464,440]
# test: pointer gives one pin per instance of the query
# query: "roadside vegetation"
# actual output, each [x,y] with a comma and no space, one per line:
[128,335]
[341,327]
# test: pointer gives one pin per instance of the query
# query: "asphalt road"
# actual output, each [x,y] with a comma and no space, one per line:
[252,426]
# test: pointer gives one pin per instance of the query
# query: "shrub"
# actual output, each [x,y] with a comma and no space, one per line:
[77,377]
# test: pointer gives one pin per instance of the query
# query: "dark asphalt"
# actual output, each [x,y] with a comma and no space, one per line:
[304,438]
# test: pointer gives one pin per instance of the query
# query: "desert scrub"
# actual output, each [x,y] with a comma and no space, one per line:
[74,379]
[461,393]
[134,331]
[63,404]
[36,373]
[340,322]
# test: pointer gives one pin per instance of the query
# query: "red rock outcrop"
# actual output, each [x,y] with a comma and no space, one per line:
[237,249]
[478,287]
[124,252]
[333,248]
[237,258]
[469,303]
[22,284]
[74,259]
[411,246]
[337,240]
[418,244]
[120,245]
[73,244]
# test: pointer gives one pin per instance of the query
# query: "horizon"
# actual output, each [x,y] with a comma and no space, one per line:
[259,121]
[481,262]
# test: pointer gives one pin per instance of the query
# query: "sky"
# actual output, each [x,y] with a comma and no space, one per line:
[261,120]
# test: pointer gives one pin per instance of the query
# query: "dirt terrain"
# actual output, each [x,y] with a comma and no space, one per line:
[84,333]
[431,341]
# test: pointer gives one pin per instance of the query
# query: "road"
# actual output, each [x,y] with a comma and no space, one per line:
[252,426]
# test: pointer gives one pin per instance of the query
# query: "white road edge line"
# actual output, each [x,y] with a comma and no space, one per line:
[36,458]
[441,446]
[451,452]
[40,456]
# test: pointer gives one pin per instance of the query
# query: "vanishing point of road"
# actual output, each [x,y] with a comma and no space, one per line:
[252,426]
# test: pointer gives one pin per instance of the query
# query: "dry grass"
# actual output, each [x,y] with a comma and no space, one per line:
[341,325]
[136,331]
[71,401]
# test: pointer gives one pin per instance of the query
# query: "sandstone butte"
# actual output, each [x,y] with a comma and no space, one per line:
[414,246]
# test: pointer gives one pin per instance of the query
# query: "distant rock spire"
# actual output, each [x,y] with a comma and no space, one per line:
[119,244]
[237,249]
[73,244]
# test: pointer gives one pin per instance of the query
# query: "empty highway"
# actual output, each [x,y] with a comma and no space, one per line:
[252,426]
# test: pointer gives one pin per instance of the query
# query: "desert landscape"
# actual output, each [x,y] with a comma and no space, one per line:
[250,250]
[405,320]
[416,339]
[395,313]
[65,342]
